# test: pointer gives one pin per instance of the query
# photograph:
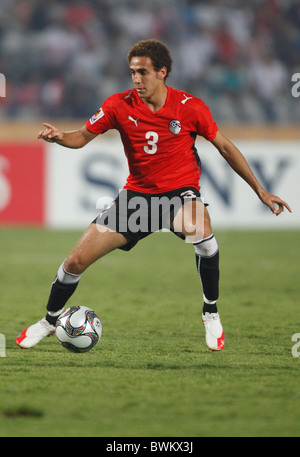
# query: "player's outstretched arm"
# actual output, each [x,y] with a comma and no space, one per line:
[75,139]
[239,164]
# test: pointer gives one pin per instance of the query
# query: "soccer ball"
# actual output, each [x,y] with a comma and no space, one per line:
[78,329]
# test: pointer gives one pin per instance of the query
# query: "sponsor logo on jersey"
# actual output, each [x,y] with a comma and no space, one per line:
[134,120]
[98,115]
[186,98]
[175,127]
[128,96]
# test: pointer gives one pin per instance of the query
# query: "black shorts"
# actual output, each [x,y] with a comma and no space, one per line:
[137,215]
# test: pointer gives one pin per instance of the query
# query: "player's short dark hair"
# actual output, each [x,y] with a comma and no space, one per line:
[157,51]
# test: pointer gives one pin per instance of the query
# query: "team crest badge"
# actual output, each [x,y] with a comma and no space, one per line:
[98,115]
[175,127]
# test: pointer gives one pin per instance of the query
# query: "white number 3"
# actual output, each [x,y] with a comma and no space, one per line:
[152,138]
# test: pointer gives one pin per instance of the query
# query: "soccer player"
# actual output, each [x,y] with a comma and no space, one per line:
[158,126]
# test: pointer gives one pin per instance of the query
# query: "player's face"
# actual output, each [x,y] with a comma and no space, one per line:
[145,79]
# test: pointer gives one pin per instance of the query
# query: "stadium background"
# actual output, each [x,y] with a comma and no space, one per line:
[61,59]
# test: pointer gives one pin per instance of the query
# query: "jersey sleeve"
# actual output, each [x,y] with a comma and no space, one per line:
[206,125]
[103,119]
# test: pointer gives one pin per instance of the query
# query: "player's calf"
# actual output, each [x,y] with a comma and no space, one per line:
[207,261]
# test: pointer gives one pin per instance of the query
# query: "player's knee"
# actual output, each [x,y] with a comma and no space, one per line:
[192,230]
[194,220]
[75,264]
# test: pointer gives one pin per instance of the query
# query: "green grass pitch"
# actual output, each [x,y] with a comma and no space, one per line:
[151,374]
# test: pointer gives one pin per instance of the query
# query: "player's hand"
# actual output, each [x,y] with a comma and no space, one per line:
[271,200]
[50,134]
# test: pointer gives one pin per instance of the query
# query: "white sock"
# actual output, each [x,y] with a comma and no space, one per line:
[206,247]
[67,278]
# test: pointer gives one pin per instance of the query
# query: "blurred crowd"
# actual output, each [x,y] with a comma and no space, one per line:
[62,58]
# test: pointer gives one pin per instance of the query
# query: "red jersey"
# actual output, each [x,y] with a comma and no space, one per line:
[160,147]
